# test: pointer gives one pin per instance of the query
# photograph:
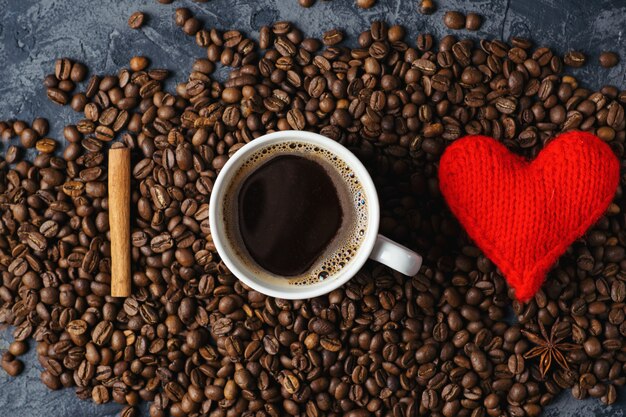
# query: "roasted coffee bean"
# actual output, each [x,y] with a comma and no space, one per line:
[608,59]
[365,4]
[62,68]
[18,348]
[74,188]
[40,125]
[78,102]
[427,7]
[473,21]
[478,360]
[136,20]
[232,38]
[516,364]
[517,393]
[332,37]
[424,42]
[58,96]
[618,291]
[191,26]
[12,154]
[66,86]
[231,95]
[28,138]
[138,63]
[181,15]
[36,241]
[162,243]
[100,394]
[128,411]
[290,383]
[104,133]
[296,120]
[454,20]
[77,327]
[50,381]
[574,59]
[102,333]
[50,81]
[46,145]
[430,399]
[78,72]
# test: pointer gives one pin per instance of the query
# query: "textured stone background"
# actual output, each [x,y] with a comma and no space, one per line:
[34,33]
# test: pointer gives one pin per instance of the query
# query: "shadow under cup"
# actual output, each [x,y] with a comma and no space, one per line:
[349,249]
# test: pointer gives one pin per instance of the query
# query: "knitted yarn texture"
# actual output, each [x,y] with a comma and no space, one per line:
[524,214]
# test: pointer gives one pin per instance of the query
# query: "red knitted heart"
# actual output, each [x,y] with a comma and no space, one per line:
[523,214]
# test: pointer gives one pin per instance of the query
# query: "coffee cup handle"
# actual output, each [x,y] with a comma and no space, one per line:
[396,256]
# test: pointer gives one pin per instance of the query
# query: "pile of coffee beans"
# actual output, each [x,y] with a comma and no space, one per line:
[193,340]
[60,84]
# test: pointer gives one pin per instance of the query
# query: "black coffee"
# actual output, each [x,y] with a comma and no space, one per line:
[295,210]
[289,212]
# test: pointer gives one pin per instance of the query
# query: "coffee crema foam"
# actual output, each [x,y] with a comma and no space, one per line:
[351,233]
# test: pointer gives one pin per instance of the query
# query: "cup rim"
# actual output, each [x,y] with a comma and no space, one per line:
[304,291]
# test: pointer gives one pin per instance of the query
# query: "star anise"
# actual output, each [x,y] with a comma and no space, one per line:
[549,348]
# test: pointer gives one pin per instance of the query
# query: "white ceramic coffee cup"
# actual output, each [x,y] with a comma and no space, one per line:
[373,246]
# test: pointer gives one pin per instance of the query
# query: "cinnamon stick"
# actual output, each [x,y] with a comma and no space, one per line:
[119,220]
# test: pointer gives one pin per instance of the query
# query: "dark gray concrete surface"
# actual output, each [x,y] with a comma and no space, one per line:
[34,33]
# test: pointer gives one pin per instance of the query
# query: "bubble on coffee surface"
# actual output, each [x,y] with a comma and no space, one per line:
[345,244]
